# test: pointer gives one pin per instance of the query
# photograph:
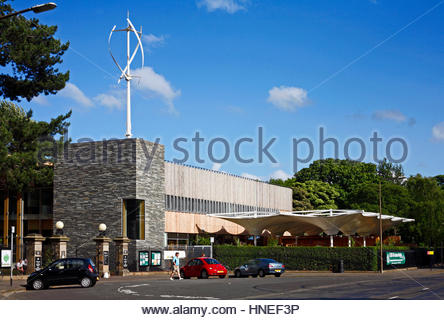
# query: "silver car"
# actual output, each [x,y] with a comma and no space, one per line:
[260,267]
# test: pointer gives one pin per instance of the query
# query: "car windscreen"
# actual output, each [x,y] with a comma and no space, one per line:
[268,260]
[211,261]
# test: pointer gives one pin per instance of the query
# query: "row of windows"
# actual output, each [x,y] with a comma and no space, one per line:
[184,204]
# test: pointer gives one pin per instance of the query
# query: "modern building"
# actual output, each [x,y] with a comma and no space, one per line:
[127,185]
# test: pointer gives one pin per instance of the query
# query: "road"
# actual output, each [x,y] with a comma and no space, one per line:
[400,284]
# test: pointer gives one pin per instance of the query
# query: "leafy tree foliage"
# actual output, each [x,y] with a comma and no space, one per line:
[29,51]
[344,174]
[27,147]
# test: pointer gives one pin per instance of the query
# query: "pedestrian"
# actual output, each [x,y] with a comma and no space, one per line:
[25,265]
[175,267]
[19,266]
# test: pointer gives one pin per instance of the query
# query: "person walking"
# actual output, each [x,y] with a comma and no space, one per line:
[175,267]
[25,265]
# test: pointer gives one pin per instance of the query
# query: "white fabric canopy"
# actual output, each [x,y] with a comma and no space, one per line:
[298,223]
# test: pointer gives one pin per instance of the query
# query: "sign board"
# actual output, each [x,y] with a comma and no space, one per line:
[38,263]
[430,253]
[395,258]
[212,239]
[156,258]
[169,254]
[125,261]
[6,258]
[144,259]
[105,258]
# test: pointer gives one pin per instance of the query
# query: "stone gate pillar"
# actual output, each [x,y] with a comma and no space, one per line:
[34,252]
[102,255]
[59,246]
[121,255]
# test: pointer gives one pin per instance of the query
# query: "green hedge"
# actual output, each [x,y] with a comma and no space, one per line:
[302,258]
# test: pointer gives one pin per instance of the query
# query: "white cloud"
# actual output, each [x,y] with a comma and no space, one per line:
[230,6]
[153,82]
[108,100]
[216,166]
[153,41]
[41,100]
[287,98]
[250,176]
[393,115]
[438,131]
[71,91]
[280,174]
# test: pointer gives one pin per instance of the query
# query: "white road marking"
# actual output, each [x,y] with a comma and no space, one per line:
[391,298]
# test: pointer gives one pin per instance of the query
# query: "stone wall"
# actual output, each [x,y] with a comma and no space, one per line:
[92,178]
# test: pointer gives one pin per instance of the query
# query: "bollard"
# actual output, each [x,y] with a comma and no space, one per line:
[341,266]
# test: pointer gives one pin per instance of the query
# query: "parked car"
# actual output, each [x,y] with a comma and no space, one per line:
[203,268]
[63,272]
[260,267]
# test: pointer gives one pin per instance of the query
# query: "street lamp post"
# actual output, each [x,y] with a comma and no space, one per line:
[380,226]
[36,9]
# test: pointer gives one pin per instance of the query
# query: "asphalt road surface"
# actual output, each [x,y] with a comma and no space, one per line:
[399,284]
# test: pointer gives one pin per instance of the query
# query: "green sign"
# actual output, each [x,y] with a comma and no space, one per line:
[395,258]
[6,258]
[144,259]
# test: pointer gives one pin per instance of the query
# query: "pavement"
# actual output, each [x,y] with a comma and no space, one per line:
[397,284]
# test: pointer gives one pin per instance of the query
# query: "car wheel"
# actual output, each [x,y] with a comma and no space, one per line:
[222,276]
[85,282]
[237,274]
[277,275]
[204,274]
[37,284]
[261,273]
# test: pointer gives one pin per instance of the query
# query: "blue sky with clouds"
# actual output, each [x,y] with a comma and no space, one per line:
[226,67]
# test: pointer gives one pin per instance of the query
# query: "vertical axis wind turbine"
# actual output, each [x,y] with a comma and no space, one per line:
[126,73]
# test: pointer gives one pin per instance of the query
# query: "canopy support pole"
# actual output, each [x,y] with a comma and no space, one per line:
[331,241]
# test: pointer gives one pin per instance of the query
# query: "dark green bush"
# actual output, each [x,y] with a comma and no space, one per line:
[302,258]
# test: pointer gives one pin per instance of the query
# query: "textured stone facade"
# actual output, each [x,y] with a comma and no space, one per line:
[92,179]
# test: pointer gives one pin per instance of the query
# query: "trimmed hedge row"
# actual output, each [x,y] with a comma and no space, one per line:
[302,258]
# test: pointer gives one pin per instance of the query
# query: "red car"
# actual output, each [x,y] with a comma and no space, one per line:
[203,268]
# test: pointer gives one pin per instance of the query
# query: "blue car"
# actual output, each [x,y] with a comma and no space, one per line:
[260,267]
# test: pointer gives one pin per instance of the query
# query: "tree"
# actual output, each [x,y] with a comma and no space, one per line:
[440,180]
[310,194]
[30,52]
[344,174]
[427,209]
[391,172]
[395,198]
[320,194]
[27,148]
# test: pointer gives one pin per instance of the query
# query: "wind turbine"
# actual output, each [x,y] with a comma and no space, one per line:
[126,72]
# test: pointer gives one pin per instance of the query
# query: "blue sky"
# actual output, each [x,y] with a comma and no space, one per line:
[226,67]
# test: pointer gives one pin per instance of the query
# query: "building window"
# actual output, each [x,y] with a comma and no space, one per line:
[134,218]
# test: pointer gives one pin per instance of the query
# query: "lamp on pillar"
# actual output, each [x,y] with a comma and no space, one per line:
[102,229]
[59,227]
[102,250]
[59,241]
